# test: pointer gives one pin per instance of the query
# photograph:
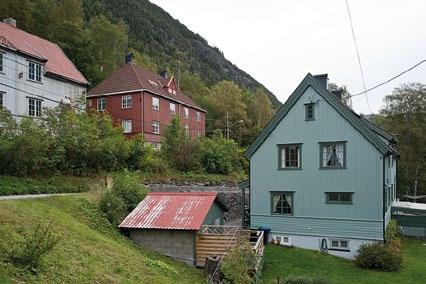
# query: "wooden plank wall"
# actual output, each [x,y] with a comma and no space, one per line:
[212,245]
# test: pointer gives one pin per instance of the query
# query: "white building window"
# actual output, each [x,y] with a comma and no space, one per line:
[156,127]
[186,112]
[198,116]
[333,155]
[102,104]
[34,107]
[339,245]
[126,101]
[155,103]
[34,71]
[1,62]
[186,130]
[198,134]
[172,108]
[289,156]
[127,126]
[1,99]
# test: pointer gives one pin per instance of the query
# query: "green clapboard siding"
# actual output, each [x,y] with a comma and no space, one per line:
[363,176]
[215,212]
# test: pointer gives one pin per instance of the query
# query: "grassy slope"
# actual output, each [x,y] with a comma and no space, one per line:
[280,261]
[90,250]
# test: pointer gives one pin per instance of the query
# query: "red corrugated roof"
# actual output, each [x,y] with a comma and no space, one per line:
[171,210]
[56,61]
[132,77]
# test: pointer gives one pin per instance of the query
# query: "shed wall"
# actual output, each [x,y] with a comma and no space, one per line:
[178,244]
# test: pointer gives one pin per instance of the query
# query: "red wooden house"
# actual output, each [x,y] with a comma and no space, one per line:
[144,102]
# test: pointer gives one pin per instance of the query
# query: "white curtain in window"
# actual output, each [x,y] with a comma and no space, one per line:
[275,200]
[339,153]
[283,157]
[327,152]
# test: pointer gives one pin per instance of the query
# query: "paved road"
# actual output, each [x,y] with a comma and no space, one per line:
[28,196]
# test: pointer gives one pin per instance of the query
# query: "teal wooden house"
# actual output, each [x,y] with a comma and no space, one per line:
[321,176]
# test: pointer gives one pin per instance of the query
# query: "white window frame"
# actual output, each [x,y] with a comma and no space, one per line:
[172,109]
[127,125]
[156,127]
[101,104]
[34,71]
[186,130]
[198,134]
[34,107]
[186,112]
[126,101]
[155,103]
[339,244]
[198,116]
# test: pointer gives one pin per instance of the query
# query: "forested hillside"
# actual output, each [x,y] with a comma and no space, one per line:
[96,35]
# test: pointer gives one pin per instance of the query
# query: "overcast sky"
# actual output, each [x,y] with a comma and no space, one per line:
[279,42]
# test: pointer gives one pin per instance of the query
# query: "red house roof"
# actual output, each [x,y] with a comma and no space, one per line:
[56,62]
[131,77]
[171,210]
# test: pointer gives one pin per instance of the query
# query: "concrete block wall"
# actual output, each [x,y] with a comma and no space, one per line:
[178,244]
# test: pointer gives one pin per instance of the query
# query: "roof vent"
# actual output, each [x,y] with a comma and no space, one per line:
[128,58]
[323,79]
[163,74]
[10,22]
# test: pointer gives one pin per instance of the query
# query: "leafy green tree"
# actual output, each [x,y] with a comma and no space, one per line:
[405,115]
[346,96]
[110,41]
[144,60]
[227,110]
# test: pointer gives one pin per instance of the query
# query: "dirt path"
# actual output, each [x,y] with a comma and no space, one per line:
[28,196]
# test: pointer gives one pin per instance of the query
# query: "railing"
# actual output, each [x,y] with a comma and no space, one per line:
[258,247]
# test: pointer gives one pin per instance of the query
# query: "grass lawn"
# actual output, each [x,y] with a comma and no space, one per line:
[90,250]
[282,262]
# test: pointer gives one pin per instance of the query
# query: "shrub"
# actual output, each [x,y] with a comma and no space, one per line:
[129,188]
[305,280]
[220,155]
[378,256]
[239,264]
[392,231]
[35,246]
[113,206]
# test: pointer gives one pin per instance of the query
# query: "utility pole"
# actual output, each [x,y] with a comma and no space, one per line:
[227,126]
[415,182]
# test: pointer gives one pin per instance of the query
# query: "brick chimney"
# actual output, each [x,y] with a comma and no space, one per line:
[323,79]
[10,21]
[128,58]
[163,74]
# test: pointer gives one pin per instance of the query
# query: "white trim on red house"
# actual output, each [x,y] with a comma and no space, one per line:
[145,90]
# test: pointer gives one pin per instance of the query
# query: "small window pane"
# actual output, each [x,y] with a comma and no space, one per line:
[333,197]
[172,108]
[345,197]
[309,112]
[282,203]
[344,244]
[335,244]
[333,155]
[186,112]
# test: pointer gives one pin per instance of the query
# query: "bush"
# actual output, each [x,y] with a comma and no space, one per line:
[35,246]
[129,188]
[10,185]
[305,280]
[378,256]
[113,206]
[220,155]
[238,266]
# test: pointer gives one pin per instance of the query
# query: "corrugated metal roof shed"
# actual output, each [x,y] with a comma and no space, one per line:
[171,210]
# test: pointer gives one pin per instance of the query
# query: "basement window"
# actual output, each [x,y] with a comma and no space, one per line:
[338,197]
[339,245]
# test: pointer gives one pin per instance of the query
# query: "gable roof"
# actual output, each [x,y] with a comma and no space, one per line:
[354,119]
[56,62]
[171,210]
[132,77]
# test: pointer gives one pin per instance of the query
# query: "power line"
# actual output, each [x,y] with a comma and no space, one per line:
[391,79]
[358,56]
